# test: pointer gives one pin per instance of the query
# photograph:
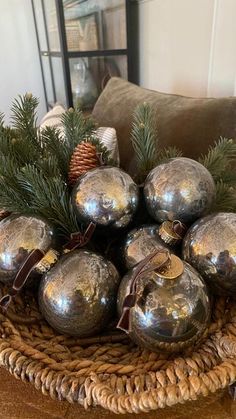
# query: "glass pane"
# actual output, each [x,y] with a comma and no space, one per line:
[93,25]
[40,24]
[48,79]
[89,76]
[51,18]
[59,80]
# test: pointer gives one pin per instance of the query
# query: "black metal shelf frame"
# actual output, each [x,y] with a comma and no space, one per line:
[130,52]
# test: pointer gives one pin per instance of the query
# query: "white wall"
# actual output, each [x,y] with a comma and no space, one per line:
[188,46]
[19,61]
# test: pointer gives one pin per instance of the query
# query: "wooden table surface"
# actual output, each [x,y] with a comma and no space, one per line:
[22,401]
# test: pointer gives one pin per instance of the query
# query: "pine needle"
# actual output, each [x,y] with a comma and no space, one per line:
[49,197]
[225,198]
[167,154]
[220,158]
[24,116]
[144,139]
[55,146]
[76,128]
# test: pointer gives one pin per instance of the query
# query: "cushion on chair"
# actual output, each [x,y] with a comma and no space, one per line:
[191,124]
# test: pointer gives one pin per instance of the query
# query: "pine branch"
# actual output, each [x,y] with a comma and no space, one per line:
[25,124]
[54,145]
[144,139]
[167,154]
[76,128]
[220,158]
[102,150]
[24,116]
[225,198]
[12,198]
[49,167]
[49,197]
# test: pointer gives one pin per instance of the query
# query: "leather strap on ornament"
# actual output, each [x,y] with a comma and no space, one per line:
[79,239]
[130,299]
[179,228]
[21,277]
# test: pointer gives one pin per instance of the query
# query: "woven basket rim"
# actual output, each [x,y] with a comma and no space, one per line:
[113,374]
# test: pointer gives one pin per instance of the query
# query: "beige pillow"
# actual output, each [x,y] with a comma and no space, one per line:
[106,135]
[53,117]
[191,124]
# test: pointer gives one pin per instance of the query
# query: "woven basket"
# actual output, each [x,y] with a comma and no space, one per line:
[110,371]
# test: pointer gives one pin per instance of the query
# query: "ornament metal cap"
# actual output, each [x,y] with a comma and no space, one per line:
[172,232]
[173,270]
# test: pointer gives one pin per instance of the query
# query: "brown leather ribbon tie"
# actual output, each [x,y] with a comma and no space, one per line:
[79,239]
[22,275]
[179,228]
[131,297]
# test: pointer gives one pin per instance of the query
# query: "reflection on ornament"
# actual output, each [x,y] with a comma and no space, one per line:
[165,314]
[181,189]
[19,235]
[210,246]
[106,196]
[140,242]
[77,296]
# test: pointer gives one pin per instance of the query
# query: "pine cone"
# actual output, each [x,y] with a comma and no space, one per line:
[83,159]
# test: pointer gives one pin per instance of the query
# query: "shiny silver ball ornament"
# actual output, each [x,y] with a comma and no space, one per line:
[78,296]
[140,242]
[106,196]
[210,246]
[167,315]
[19,235]
[181,189]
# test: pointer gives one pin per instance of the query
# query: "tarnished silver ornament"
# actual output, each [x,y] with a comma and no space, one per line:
[181,189]
[78,296]
[106,196]
[169,313]
[20,235]
[140,242]
[210,246]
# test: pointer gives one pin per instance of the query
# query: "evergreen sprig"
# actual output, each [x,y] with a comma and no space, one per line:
[34,164]
[49,197]
[144,139]
[24,119]
[219,160]
[167,154]
[225,198]
[76,128]
[55,146]
[221,163]
[102,150]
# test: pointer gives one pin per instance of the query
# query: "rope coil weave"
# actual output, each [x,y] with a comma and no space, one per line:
[109,370]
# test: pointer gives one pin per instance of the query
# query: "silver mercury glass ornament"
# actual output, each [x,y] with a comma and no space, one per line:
[210,246]
[181,189]
[20,235]
[140,242]
[106,196]
[168,309]
[78,296]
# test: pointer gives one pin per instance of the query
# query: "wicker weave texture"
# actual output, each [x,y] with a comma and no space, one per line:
[109,370]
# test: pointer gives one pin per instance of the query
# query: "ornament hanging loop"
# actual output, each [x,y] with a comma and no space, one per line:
[172,232]
[131,298]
